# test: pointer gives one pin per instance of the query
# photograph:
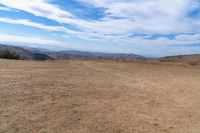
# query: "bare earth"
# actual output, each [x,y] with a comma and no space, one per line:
[98,96]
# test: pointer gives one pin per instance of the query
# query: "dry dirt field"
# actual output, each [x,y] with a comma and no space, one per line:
[98,97]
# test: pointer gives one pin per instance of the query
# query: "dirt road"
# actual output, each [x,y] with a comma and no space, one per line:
[98,96]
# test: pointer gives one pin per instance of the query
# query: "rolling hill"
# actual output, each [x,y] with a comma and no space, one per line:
[26,54]
[182,59]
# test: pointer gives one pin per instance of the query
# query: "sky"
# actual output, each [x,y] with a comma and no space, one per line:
[152,28]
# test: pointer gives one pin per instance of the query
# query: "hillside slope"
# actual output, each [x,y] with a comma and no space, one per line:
[183,59]
[26,54]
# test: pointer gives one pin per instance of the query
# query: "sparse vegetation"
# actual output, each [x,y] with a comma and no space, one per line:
[6,54]
[193,60]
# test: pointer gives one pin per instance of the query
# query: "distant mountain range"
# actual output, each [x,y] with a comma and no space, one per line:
[28,53]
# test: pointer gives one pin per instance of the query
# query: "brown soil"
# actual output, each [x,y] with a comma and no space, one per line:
[98,96]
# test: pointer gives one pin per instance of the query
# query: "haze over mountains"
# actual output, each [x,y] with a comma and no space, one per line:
[28,53]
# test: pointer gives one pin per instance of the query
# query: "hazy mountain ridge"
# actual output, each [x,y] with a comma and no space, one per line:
[37,54]
[24,54]
[28,53]
[93,55]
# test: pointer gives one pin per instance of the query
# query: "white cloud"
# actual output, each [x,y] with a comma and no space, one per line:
[7,38]
[36,25]
[149,15]
[38,8]
[88,36]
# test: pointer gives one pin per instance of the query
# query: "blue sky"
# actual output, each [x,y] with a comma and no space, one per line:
[146,27]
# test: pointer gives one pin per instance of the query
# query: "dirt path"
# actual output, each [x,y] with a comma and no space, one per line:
[91,96]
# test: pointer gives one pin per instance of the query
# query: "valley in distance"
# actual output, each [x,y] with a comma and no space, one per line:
[85,92]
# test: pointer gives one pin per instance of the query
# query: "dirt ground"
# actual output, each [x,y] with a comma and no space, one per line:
[98,97]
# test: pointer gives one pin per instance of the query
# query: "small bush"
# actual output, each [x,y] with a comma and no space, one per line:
[6,54]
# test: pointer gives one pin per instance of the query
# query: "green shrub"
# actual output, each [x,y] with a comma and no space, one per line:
[6,54]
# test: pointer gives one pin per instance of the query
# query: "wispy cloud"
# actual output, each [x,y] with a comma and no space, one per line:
[7,38]
[36,25]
